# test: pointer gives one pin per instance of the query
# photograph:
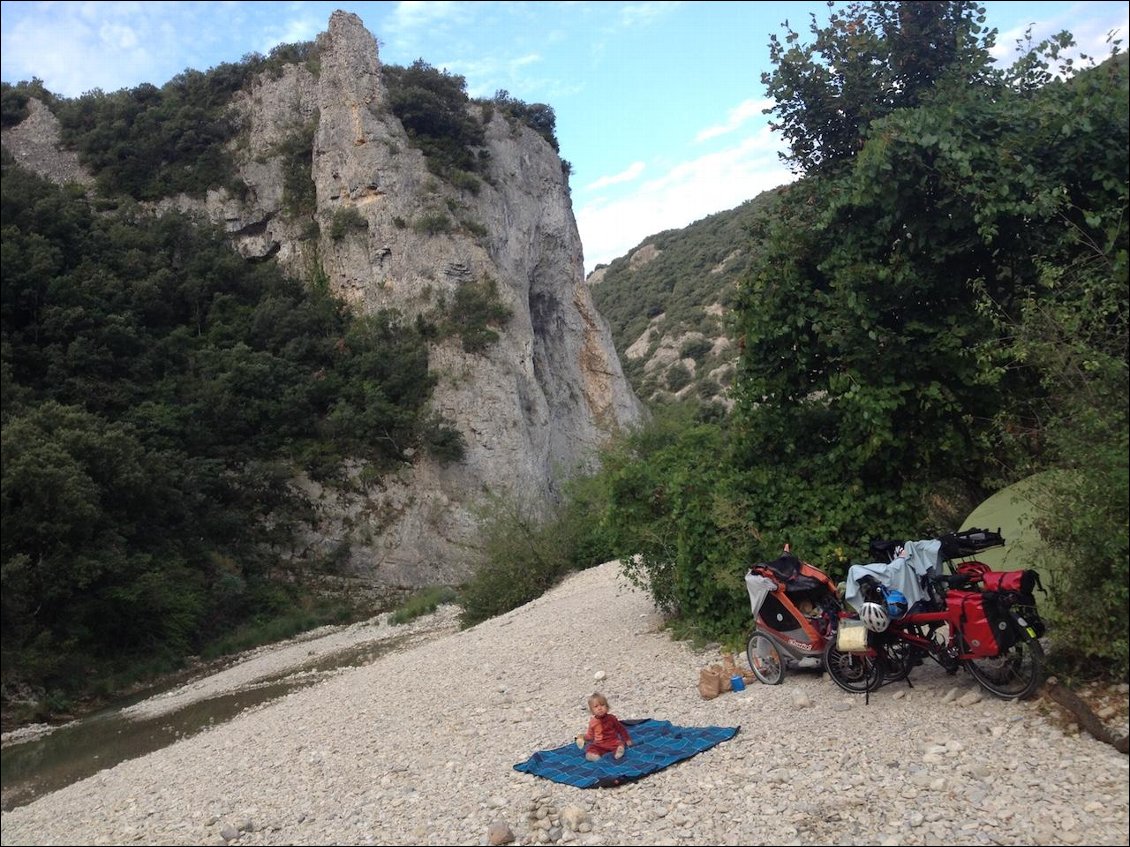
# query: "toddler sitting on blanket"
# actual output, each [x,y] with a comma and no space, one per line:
[605,733]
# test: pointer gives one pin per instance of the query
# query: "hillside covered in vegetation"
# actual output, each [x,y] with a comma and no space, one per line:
[669,303]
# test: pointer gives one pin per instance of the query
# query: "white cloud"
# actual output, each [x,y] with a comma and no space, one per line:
[1089,24]
[78,47]
[626,175]
[68,56]
[684,194]
[745,111]
[643,13]
[413,22]
[293,31]
[116,36]
[413,14]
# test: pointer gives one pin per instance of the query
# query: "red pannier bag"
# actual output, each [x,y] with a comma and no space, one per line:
[1022,582]
[976,628]
[1018,582]
[973,569]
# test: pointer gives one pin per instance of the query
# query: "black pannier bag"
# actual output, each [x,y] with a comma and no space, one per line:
[999,606]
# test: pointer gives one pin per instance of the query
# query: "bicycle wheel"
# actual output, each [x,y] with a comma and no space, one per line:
[856,673]
[1013,675]
[765,658]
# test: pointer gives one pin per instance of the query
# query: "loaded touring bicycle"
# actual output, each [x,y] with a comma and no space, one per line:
[905,609]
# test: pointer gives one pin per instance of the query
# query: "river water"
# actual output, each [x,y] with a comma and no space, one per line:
[82,748]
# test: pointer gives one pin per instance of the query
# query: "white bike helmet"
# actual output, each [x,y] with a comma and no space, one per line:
[874,617]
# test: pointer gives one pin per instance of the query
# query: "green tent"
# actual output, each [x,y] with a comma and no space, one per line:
[1012,511]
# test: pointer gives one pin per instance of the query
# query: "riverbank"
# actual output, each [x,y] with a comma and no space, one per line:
[418,747]
[304,654]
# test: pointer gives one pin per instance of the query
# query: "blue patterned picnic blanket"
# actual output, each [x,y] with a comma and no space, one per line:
[655,746]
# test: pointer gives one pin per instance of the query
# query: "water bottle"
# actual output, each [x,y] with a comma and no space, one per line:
[737,683]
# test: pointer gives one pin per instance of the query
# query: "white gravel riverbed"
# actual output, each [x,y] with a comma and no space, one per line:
[419,746]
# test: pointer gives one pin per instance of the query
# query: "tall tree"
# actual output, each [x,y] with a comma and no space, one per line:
[867,61]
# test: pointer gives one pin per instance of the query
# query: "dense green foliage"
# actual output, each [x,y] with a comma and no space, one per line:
[869,60]
[347,220]
[160,395]
[938,308]
[523,554]
[537,116]
[300,195]
[14,99]
[148,142]
[475,310]
[433,107]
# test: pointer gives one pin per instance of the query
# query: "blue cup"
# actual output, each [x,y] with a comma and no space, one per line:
[737,683]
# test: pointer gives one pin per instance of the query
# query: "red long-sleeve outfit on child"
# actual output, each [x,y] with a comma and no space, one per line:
[605,734]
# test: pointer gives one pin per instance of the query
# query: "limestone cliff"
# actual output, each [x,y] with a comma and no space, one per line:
[533,406]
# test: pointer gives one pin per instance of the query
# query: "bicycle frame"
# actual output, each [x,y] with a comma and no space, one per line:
[892,653]
[905,629]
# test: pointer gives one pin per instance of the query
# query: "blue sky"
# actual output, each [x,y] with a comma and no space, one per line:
[658,104]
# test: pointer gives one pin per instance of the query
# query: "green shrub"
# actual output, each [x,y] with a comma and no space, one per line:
[295,618]
[476,309]
[432,223]
[523,555]
[296,151]
[465,181]
[537,116]
[695,348]
[441,440]
[678,376]
[431,104]
[475,228]
[708,387]
[347,219]
[423,602]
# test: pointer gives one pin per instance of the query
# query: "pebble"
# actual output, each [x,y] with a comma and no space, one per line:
[419,747]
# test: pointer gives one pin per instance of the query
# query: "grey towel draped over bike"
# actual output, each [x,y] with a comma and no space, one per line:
[903,573]
[759,587]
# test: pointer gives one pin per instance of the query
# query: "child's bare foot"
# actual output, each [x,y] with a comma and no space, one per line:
[580,742]
[619,754]
[592,757]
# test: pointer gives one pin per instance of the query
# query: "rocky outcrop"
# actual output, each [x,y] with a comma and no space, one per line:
[34,143]
[534,406]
